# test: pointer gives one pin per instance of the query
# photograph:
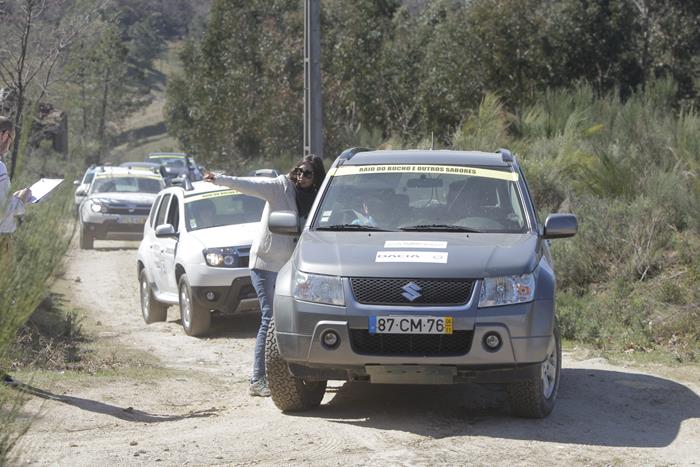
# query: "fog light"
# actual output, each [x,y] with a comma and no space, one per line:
[211,296]
[492,341]
[330,339]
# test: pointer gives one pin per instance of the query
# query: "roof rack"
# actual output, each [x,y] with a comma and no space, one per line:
[506,155]
[183,181]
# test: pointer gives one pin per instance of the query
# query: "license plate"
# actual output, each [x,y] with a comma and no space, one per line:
[410,325]
[132,220]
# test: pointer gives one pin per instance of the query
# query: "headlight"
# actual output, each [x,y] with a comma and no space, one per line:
[507,290]
[318,289]
[96,206]
[226,257]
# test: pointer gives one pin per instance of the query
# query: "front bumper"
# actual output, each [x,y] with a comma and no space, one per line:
[116,228]
[525,331]
[238,297]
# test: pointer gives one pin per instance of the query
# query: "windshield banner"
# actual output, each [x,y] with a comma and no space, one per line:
[130,175]
[423,169]
[211,194]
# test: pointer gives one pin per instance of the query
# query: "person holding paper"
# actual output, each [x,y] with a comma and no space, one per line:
[10,205]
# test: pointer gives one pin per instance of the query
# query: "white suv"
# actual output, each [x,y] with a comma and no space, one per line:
[195,252]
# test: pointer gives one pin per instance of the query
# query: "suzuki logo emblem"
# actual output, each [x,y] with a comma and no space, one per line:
[411,291]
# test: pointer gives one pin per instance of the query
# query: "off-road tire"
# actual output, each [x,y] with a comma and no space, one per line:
[527,398]
[86,240]
[151,309]
[199,320]
[289,393]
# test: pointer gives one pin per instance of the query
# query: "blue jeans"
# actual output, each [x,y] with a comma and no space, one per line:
[264,285]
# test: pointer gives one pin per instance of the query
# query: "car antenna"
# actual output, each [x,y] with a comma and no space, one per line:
[432,141]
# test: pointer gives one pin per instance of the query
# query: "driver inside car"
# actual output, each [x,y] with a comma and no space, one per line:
[205,214]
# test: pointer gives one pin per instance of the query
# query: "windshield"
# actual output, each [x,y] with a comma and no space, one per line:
[174,161]
[221,208]
[126,184]
[422,198]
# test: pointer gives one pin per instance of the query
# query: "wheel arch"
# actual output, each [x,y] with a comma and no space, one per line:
[179,271]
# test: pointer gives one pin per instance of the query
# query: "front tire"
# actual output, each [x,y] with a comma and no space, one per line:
[86,240]
[152,310]
[195,319]
[289,393]
[536,398]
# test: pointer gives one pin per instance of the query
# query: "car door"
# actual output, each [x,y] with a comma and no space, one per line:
[146,245]
[168,245]
[157,265]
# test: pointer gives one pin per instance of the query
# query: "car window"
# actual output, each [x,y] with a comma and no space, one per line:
[162,209]
[174,214]
[154,209]
[89,176]
[405,197]
[221,208]
[176,162]
[126,184]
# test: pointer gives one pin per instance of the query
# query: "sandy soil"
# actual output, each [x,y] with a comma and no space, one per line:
[198,411]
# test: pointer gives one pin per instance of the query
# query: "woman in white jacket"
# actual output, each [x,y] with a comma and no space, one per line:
[296,192]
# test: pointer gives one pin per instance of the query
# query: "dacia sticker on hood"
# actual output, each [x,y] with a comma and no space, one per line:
[423,169]
[411,257]
[414,244]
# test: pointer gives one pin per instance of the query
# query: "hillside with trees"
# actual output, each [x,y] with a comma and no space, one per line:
[599,99]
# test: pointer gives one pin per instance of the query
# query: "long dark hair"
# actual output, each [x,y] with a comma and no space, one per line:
[317,164]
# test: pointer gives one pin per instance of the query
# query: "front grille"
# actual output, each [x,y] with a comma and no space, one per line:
[247,291]
[243,253]
[137,211]
[380,291]
[419,345]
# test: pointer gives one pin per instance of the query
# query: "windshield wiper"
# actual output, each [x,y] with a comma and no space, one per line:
[351,227]
[438,227]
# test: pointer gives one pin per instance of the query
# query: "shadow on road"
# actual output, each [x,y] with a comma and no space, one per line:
[116,245]
[595,407]
[128,414]
[231,326]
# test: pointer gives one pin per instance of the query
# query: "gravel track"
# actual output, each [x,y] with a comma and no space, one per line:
[202,414]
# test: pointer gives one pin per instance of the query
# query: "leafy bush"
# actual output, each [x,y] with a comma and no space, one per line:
[28,264]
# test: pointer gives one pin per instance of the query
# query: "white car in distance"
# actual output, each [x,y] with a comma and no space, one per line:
[194,253]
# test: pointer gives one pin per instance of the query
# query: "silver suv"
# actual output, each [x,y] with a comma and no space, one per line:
[419,267]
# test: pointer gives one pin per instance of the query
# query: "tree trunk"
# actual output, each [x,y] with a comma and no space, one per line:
[18,131]
[101,129]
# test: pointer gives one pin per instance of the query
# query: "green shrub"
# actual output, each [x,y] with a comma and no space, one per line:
[486,130]
[35,252]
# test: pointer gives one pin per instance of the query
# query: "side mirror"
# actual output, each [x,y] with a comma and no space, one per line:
[76,182]
[165,230]
[560,226]
[81,192]
[284,222]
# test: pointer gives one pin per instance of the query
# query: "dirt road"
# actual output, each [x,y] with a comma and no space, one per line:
[197,410]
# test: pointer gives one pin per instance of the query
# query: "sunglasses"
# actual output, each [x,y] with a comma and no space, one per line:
[304,173]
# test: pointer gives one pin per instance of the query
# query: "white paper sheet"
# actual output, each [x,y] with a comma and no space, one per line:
[42,188]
